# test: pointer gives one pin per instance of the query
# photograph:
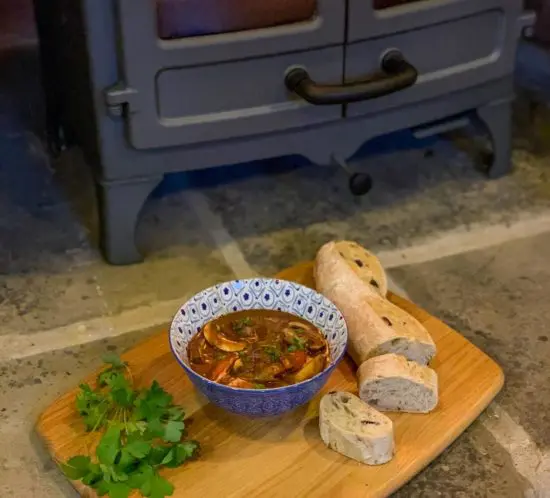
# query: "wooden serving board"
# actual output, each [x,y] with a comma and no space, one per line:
[285,457]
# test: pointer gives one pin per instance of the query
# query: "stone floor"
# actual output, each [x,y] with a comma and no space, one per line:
[471,251]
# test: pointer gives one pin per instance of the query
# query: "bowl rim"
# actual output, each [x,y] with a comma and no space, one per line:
[333,364]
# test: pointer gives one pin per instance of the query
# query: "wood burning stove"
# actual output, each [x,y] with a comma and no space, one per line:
[146,92]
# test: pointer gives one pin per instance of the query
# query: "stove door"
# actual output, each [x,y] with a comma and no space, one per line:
[452,55]
[213,87]
[372,18]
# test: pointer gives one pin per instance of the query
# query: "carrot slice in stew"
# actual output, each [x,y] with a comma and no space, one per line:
[294,361]
[222,368]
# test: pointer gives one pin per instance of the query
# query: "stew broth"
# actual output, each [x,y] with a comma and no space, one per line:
[258,349]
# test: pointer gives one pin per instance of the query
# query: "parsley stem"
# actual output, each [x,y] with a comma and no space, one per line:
[101,417]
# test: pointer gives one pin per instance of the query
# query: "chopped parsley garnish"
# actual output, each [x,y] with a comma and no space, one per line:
[273,353]
[239,325]
[245,357]
[259,386]
[298,344]
[219,355]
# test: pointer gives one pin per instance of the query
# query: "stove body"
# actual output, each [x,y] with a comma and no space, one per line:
[142,104]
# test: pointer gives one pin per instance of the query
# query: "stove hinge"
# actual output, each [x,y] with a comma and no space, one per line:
[119,96]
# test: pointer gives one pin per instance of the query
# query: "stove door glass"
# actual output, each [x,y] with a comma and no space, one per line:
[187,18]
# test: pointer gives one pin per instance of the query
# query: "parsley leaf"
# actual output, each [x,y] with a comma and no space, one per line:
[173,431]
[121,392]
[77,467]
[185,451]
[179,453]
[152,404]
[102,487]
[158,454]
[109,446]
[126,461]
[119,490]
[138,448]
[157,487]
[113,360]
[143,474]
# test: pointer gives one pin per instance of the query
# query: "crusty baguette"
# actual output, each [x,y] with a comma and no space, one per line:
[365,265]
[375,326]
[391,383]
[354,429]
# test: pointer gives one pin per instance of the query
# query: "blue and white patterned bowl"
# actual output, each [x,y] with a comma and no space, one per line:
[259,293]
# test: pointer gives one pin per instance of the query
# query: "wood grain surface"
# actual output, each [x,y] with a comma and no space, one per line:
[285,457]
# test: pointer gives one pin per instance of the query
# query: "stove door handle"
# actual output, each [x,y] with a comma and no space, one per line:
[396,74]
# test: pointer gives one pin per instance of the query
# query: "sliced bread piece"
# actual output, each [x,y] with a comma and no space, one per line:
[391,383]
[375,326]
[364,264]
[354,429]
[403,334]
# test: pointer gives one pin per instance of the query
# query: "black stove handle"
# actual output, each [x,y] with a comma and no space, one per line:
[396,74]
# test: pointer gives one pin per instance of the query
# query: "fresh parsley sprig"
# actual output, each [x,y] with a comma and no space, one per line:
[142,433]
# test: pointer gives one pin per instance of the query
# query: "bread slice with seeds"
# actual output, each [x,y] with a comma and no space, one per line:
[391,383]
[354,429]
[375,325]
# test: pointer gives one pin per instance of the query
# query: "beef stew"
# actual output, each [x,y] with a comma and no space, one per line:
[258,349]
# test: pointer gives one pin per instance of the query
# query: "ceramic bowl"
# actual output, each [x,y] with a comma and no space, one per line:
[259,293]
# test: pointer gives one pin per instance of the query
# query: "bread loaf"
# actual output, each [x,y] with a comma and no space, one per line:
[391,383]
[375,326]
[354,429]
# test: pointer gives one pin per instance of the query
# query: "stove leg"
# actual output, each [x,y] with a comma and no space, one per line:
[120,203]
[497,117]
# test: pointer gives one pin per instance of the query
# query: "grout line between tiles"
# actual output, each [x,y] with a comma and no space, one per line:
[228,246]
[464,240]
